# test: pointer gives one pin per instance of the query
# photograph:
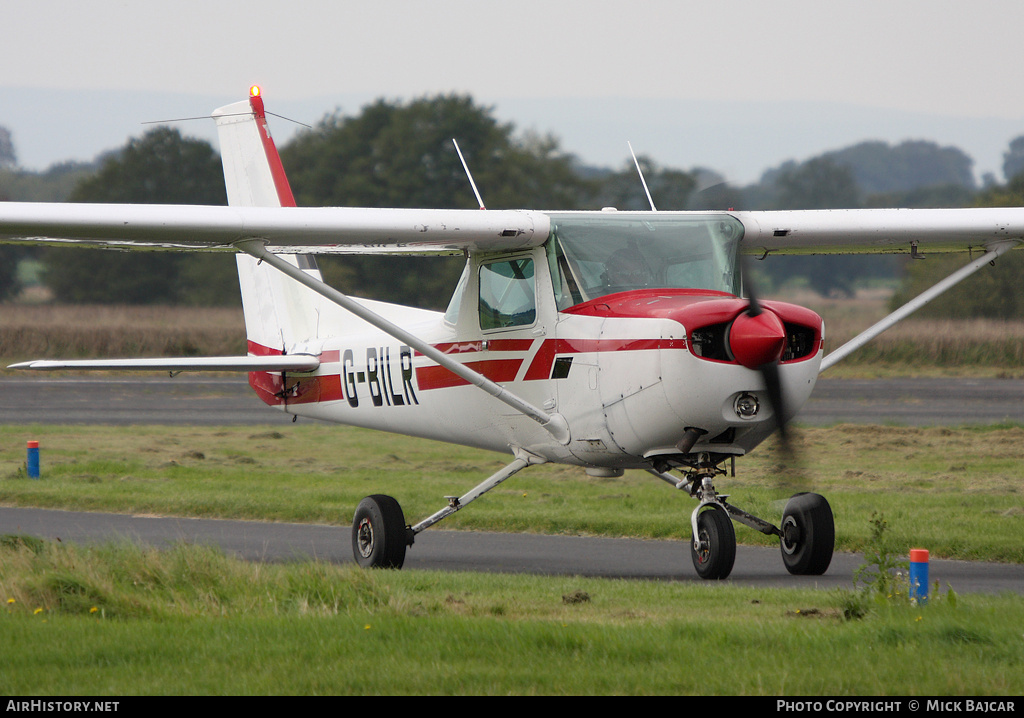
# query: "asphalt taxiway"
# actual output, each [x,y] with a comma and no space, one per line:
[656,560]
[216,401]
[204,400]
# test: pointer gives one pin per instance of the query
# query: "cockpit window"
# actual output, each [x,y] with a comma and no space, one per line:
[599,255]
[507,294]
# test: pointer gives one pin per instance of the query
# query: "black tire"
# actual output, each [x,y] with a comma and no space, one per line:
[378,533]
[808,535]
[717,555]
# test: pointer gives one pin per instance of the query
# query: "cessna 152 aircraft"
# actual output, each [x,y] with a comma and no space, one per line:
[608,340]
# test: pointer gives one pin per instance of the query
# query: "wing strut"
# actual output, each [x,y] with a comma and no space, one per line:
[555,424]
[995,249]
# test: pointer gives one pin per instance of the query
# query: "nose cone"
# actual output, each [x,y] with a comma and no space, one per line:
[757,340]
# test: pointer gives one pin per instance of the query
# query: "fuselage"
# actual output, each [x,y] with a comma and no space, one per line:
[631,364]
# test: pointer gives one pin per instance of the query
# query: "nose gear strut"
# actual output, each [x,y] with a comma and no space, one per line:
[808,532]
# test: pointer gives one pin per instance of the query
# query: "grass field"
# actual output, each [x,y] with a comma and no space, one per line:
[80,331]
[121,620]
[928,347]
[955,491]
[125,621]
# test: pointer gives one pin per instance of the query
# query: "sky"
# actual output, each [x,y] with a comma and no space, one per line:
[736,85]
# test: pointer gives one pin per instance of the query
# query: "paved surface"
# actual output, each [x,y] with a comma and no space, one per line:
[915,402]
[490,552]
[190,400]
[184,399]
[187,399]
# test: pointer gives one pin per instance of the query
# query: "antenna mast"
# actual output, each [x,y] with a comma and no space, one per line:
[469,174]
[642,180]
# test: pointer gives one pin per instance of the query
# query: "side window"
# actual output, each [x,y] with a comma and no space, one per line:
[507,294]
[452,314]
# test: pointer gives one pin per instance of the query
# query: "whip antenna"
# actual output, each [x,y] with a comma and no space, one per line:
[642,180]
[479,199]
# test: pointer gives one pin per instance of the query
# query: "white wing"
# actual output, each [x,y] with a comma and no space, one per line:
[879,231]
[286,230]
[351,230]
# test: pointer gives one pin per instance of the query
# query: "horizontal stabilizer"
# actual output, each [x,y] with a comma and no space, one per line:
[288,362]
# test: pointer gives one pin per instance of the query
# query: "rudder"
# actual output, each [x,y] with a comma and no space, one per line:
[279,312]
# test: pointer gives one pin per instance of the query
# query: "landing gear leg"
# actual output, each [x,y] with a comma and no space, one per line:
[380,534]
[807,535]
[713,544]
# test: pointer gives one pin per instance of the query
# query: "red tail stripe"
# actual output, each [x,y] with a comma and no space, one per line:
[257,349]
[284,190]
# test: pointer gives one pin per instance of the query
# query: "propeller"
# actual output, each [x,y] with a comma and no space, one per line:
[757,339]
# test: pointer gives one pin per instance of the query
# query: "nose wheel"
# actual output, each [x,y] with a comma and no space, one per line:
[713,549]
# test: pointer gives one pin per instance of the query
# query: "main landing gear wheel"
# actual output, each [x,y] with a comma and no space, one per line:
[808,535]
[717,552]
[378,533]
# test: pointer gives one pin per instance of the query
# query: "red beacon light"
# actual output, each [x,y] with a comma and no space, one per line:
[256,101]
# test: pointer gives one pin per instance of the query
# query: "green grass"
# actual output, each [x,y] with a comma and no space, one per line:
[121,620]
[956,492]
[125,620]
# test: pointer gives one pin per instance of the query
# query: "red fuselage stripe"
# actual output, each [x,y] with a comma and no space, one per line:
[437,377]
[330,387]
[540,367]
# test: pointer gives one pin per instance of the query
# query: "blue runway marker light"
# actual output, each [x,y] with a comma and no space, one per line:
[32,461]
[919,575]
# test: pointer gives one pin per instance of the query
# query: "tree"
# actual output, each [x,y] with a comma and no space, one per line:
[879,168]
[8,159]
[993,292]
[397,154]
[714,192]
[818,183]
[1013,159]
[21,185]
[161,167]
[670,189]
[9,258]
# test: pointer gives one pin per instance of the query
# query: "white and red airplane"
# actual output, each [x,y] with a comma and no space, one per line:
[607,340]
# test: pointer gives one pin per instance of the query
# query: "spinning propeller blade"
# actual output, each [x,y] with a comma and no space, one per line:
[769,369]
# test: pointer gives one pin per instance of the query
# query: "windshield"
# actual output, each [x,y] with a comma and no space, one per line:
[595,255]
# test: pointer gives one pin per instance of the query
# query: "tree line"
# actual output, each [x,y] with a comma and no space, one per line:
[400,154]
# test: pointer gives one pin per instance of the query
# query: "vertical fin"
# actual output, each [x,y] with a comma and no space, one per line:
[279,312]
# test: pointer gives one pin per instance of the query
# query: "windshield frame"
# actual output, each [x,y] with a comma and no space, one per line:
[597,254]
